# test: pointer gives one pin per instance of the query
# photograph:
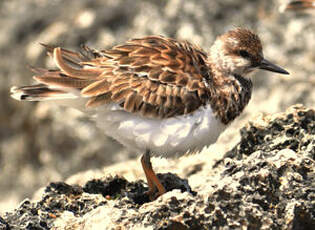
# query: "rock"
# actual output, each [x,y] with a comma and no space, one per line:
[295,131]
[267,181]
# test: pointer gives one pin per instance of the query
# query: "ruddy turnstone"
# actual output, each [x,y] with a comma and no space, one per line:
[155,94]
[297,5]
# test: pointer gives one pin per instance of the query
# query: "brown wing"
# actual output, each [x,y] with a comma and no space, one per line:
[153,76]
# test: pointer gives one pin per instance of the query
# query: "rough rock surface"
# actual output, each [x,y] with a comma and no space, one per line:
[267,181]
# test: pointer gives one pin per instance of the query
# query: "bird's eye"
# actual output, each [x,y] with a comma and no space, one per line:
[244,54]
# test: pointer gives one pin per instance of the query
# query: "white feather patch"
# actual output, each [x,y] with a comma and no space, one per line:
[163,137]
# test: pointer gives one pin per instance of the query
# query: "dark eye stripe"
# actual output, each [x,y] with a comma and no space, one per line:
[244,54]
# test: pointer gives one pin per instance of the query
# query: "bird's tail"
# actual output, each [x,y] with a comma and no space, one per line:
[66,82]
[39,92]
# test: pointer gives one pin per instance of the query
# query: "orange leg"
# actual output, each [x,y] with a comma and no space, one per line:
[153,182]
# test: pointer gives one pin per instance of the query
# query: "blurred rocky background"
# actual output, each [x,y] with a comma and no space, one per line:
[41,143]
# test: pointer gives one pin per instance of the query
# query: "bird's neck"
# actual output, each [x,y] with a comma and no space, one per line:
[229,95]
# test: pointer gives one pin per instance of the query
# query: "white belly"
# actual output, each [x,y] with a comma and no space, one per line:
[163,137]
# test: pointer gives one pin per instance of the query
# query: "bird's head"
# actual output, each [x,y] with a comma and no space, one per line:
[239,52]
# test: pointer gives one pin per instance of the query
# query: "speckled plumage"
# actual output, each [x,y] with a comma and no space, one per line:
[152,79]
[156,94]
[153,76]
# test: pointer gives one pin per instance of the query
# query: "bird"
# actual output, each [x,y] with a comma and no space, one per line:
[297,5]
[155,95]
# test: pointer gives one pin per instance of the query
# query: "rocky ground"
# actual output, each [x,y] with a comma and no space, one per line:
[40,143]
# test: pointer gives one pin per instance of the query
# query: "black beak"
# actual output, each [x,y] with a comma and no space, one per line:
[267,65]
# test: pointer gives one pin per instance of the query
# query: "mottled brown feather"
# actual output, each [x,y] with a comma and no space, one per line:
[153,76]
[66,82]
[99,100]
[76,73]
[96,88]
[120,95]
[129,104]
